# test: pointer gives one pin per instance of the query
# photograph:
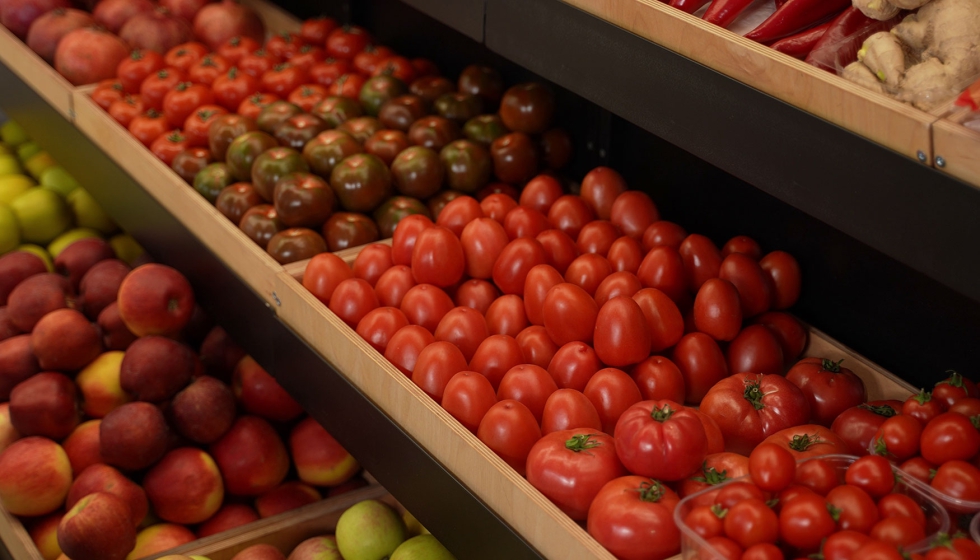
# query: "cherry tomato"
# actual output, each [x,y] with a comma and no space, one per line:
[804,522]
[751,522]
[600,189]
[959,480]
[425,305]
[662,268]
[742,244]
[208,69]
[436,365]
[537,347]
[570,214]
[829,388]
[526,222]
[967,406]
[107,92]
[738,491]
[126,109]
[877,550]
[559,248]
[252,106]
[788,331]
[950,436]
[136,67]
[918,468]
[237,47]
[722,547]
[540,193]
[405,346]
[663,234]
[352,299]
[898,438]
[510,430]
[873,474]
[345,42]
[772,468]
[198,124]
[568,409]
[716,469]
[514,262]
[705,521]
[506,316]
[569,314]
[632,517]
[185,98]
[954,388]
[476,294]
[960,548]
[380,325]
[858,511]
[785,273]
[898,531]
[168,145]
[807,440]
[660,439]
[817,475]
[900,505]
[702,364]
[157,85]
[495,356]
[467,397]
[857,425]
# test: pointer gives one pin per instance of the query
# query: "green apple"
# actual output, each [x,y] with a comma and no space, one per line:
[5,149]
[88,213]
[126,248]
[12,134]
[12,186]
[43,215]
[369,530]
[412,525]
[27,150]
[422,547]
[65,239]
[9,165]
[58,180]
[9,230]
[40,162]
[40,252]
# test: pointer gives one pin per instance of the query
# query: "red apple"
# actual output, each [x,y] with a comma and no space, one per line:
[261,394]
[76,259]
[44,533]
[228,517]
[133,436]
[251,457]
[64,340]
[286,497]
[260,552]
[45,405]
[317,548]
[37,296]
[17,363]
[82,446]
[155,300]
[204,410]
[155,368]
[100,387]
[220,354]
[319,459]
[103,478]
[160,537]
[15,267]
[7,327]
[197,328]
[98,527]
[34,476]
[100,286]
[185,486]
[115,334]
[8,433]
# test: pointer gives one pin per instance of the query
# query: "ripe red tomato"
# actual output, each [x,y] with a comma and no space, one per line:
[570,467]
[514,262]
[660,439]
[663,234]
[954,388]
[393,285]
[483,240]
[465,327]
[509,429]
[437,257]
[663,318]
[756,350]
[843,544]
[282,79]
[716,469]
[436,365]
[406,233]
[397,67]
[559,249]
[873,474]
[136,67]
[316,30]
[612,392]
[625,254]
[951,436]
[253,105]
[497,206]
[717,311]
[568,409]
[704,521]
[569,214]
[622,334]
[702,364]
[600,189]
[107,92]
[573,365]
[467,397]
[569,314]
[495,356]
[523,221]
[541,192]
[762,551]
[540,279]
[857,425]
[633,212]
[185,55]
[918,468]
[742,244]
[459,212]
[198,124]
[368,60]
[772,467]
[617,284]
[352,300]
[284,45]
[805,521]
[723,548]
[658,378]
[750,407]
[898,531]
[733,493]
[967,406]
[148,126]
[829,388]
[237,47]
[207,70]
[662,268]
[818,475]
[596,237]
[587,271]
[308,96]
[157,85]
[898,438]
[858,511]
[476,294]
[405,346]
[785,273]
[702,260]
[808,440]
[633,517]
[323,273]
[754,285]
[345,42]
[537,347]
[960,548]
[788,331]
[379,325]
[751,522]
[506,316]
[959,480]
[185,98]
[126,109]
[168,145]
[328,71]
[372,262]
[425,305]
[900,505]
[258,63]
[877,550]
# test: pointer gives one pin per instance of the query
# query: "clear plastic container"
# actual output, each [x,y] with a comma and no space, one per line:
[954,506]
[937,519]
[975,528]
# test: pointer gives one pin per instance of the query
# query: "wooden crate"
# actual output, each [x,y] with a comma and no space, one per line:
[518,503]
[37,73]
[957,147]
[888,122]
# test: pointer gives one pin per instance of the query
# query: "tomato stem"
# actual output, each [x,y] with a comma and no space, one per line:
[881,448]
[881,410]
[719,511]
[834,512]
[711,475]
[832,366]
[804,441]
[581,442]
[954,380]
[975,420]
[923,397]
[650,490]
[753,394]
[662,414]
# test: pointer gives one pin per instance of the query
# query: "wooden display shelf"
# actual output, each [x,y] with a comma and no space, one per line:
[875,116]
[37,73]
[518,503]
[957,147]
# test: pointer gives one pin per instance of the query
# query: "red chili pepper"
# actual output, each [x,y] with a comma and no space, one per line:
[724,12]
[840,44]
[689,6]
[800,45]
[795,16]
[970,97]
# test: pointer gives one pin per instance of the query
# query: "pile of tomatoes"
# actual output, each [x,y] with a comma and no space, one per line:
[320,140]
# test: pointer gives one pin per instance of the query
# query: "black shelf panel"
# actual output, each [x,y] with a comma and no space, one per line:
[907,211]
[443,504]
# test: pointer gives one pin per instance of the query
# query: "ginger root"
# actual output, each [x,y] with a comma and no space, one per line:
[858,73]
[876,9]
[884,56]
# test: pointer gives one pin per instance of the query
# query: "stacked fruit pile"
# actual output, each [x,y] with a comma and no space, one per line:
[121,417]
[334,139]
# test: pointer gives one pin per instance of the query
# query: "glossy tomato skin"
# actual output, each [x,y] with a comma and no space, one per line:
[704,521]
[437,257]
[663,318]
[464,327]
[958,479]
[600,189]
[702,364]
[559,248]
[742,244]
[379,325]
[496,205]
[923,407]
[571,466]
[344,230]
[587,271]
[900,505]
[426,305]
[702,260]
[528,108]
[612,392]
[953,388]
[818,475]
[788,331]
[496,355]
[476,294]
[858,511]
[570,214]
[436,365]
[951,436]
[506,316]
[458,213]
[136,67]
[807,440]
[405,346]
[345,42]
[716,469]
[751,522]
[755,350]
[873,474]
[662,268]
[717,311]
[515,158]
[663,234]
[632,516]
[514,262]
[372,262]
[804,522]
[625,254]
[660,439]
[509,429]
[843,544]
[569,314]
[617,284]
[540,279]
[468,396]
[537,347]
[785,273]
[750,407]
[324,273]
[352,300]
[633,212]
[568,409]
[857,425]
[526,222]
[772,468]
[898,438]
[597,237]
[658,378]
[573,365]
[198,124]
[830,388]
[754,285]
[622,334]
